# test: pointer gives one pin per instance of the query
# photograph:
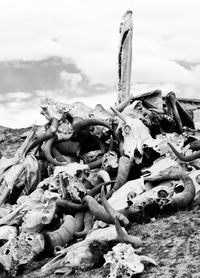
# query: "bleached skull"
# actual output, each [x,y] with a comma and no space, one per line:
[124,262]
[20,250]
[40,213]
[110,160]
[75,189]
[51,109]
[69,186]
[135,135]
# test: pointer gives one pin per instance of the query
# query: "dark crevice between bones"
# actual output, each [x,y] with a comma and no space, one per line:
[98,249]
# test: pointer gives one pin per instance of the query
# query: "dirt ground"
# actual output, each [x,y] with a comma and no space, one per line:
[172,241]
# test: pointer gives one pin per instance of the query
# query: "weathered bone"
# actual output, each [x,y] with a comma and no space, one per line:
[123,258]
[79,254]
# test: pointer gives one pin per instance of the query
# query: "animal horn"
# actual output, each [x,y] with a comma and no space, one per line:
[65,206]
[145,259]
[124,237]
[79,220]
[103,174]
[186,197]
[88,223]
[117,113]
[122,174]
[61,236]
[182,157]
[45,136]
[111,211]
[95,190]
[171,100]
[47,152]
[97,210]
[88,122]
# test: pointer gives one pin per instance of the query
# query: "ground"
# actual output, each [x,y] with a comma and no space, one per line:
[172,241]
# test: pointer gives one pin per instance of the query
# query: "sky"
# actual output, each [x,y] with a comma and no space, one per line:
[67,50]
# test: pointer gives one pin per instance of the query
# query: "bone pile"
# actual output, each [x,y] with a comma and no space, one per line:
[76,184]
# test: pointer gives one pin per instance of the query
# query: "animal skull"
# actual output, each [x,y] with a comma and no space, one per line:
[20,250]
[124,262]
[135,135]
[110,160]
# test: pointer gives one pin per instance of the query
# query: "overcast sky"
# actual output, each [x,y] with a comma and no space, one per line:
[84,35]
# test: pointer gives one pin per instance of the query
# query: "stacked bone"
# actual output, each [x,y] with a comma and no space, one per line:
[64,172]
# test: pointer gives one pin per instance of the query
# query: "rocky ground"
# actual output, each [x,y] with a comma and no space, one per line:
[172,241]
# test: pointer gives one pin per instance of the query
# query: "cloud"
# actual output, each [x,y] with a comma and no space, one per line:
[71,80]
[100,67]
[155,69]
[84,38]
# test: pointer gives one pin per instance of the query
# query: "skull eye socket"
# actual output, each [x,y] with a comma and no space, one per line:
[127,129]
[79,174]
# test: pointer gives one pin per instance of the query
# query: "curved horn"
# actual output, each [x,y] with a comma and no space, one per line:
[88,122]
[124,237]
[122,174]
[103,174]
[96,163]
[111,211]
[67,206]
[47,152]
[61,236]
[185,198]
[97,188]
[88,223]
[171,100]
[45,136]
[120,107]
[97,210]
[119,114]
[185,158]
[145,259]
[79,220]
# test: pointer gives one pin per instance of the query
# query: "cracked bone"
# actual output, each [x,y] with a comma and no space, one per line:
[7,232]
[20,250]
[79,255]
[135,135]
[119,198]
[122,259]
